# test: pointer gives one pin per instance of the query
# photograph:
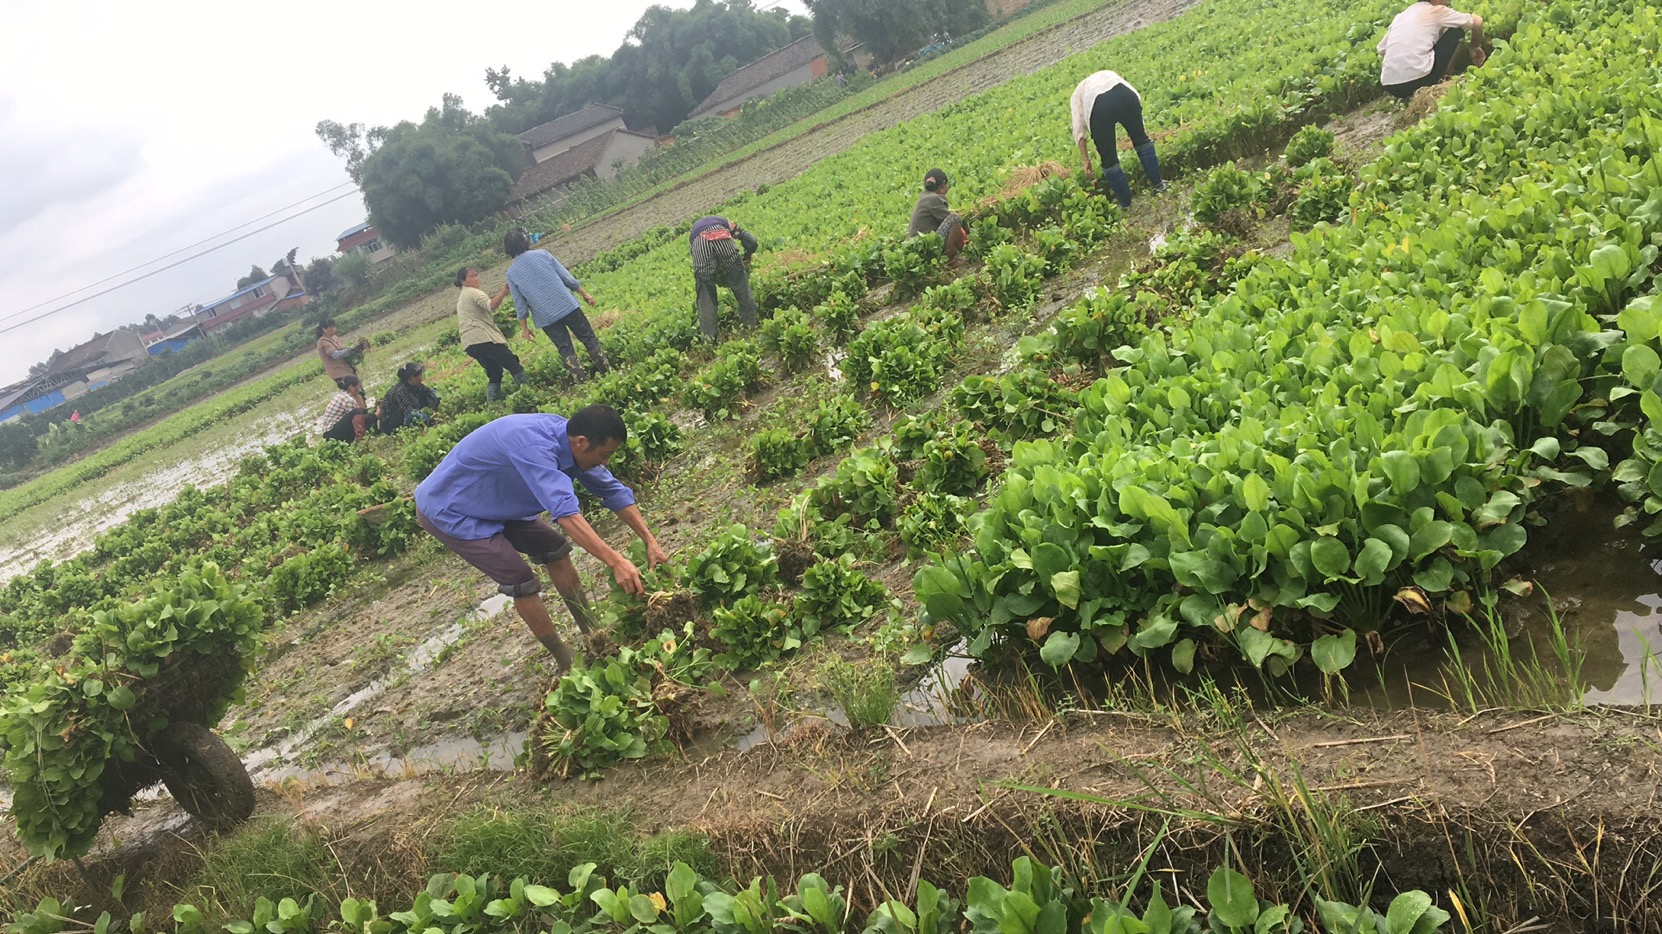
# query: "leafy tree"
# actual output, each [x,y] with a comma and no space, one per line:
[17,445]
[347,141]
[353,269]
[255,274]
[320,276]
[892,29]
[452,168]
[668,62]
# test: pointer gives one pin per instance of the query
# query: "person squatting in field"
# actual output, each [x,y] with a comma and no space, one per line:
[1100,101]
[715,260]
[411,402]
[542,296]
[484,502]
[347,416]
[931,214]
[1420,45]
[480,337]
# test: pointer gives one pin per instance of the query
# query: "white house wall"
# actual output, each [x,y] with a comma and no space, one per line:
[549,151]
[625,148]
[789,79]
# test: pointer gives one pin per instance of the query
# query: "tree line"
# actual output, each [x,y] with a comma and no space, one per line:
[457,167]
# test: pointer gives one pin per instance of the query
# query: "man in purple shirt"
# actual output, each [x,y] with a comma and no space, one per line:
[484,502]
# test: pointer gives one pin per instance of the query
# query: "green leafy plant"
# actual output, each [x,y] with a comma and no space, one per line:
[866,488]
[1013,277]
[837,595]
[719,389]
[599,716]
[1307,145]
[755,632]
[1323,194]
[735,564]
[63,731]
[953,462]
[1227,188]
[933,520]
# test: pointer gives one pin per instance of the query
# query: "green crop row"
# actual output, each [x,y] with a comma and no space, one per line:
[1039,899]
[1377,412]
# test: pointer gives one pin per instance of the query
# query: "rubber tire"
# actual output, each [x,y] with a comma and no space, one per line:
[204,775]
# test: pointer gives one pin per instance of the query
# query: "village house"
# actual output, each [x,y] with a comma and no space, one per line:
[257,299]
[798,63]
[364,239]
[562,134]
[599,158]
[73,373]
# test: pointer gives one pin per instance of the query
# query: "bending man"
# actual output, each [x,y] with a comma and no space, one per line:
[1421,43]
[485,498]
[716,260]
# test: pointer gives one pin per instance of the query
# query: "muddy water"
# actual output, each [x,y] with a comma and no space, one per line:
[1607,589]
[1603,586]
[275,763]
[74,530]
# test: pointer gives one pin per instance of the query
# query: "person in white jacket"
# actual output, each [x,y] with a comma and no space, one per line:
[1421,43]
[1099,102]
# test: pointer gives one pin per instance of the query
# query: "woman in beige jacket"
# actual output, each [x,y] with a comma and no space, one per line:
[337,358]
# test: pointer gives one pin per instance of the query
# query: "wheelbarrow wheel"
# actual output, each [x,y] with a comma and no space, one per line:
[204,775]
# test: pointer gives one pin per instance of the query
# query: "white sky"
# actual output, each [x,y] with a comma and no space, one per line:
[129,131]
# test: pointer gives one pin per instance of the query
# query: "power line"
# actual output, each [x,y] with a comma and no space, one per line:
[93,285]
[121,285]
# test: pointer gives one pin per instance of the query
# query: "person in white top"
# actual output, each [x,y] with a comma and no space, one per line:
[1099,102]
[1420,45]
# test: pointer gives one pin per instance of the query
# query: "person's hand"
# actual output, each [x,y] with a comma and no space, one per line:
[1087,168]
[655,554]
[628,576]
[527,332]
[1479,56]
[588,298]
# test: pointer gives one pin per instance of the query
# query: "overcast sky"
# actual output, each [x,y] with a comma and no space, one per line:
[129,131]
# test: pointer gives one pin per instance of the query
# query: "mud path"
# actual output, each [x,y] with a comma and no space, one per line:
[1549,816]
[789,158]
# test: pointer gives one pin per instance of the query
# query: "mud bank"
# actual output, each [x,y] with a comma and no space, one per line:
[1518,815]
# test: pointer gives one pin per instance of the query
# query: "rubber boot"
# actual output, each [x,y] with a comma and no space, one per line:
[1114,177]
[1151,165]
[520,380]
[493,392]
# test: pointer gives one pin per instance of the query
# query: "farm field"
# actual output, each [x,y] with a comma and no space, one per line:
[937,84]
[1271,540]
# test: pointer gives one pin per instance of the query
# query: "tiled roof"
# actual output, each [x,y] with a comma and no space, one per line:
[567,166]
[354,230]
[759,72]
[569,125]
[242,291]
[85,357]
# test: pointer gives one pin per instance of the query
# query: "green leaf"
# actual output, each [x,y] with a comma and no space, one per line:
[1059,648]
[1402,469]
[1066,586]
[1432,536]
[1405,912]
[1640,364]
[1255,493]
[1373,561]
[1330,557]
[1231,898]
[121,697]
[1334,652]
